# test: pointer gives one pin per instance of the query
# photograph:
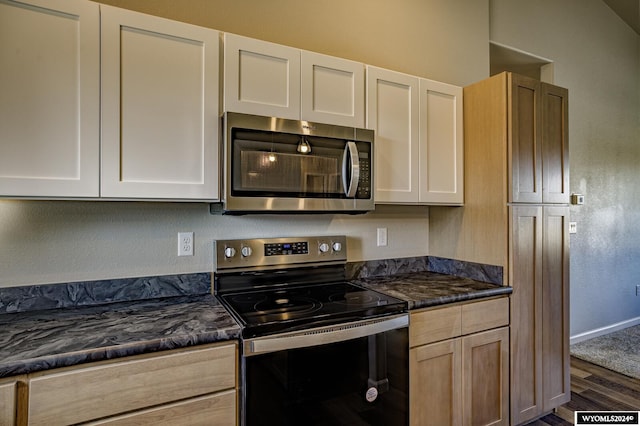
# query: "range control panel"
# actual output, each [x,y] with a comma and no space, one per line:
[279,249]
[230,254]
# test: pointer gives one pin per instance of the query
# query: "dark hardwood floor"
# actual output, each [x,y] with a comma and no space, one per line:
[594,388]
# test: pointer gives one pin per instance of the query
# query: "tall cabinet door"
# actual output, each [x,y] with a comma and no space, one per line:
[393,112]
[555,144]
[526,276]
[332,90]
[441,143]
[524,132]
[159,108]
[50,98]
[555,307]
[261,78]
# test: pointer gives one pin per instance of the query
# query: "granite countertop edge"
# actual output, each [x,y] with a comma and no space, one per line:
[429,289]
[54,338]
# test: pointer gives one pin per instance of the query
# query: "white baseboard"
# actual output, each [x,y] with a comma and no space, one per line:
[603,330]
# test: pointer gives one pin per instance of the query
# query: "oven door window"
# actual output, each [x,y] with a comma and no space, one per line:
[362,381]
[268,164]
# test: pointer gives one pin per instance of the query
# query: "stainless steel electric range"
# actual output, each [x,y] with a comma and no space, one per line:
[316,349]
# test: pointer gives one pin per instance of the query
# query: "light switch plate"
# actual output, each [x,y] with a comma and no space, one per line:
[382,237]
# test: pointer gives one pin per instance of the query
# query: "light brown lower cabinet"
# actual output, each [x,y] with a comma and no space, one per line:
[193,386]
[459,364]
[8,400]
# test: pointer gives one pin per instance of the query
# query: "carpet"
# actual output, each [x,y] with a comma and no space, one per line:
[618,351]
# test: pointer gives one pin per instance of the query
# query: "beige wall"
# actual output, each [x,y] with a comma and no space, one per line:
[58,241]
[437,39]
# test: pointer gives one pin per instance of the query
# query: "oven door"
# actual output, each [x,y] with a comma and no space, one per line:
[360,379]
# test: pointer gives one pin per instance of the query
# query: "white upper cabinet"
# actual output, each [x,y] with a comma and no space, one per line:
[419,141]
[159,108]
[270,79]
[49,102]
[332,90]
[261,78]
[441,143]
[393,113]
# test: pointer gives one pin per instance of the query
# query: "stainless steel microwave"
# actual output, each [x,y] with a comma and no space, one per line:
[274,165]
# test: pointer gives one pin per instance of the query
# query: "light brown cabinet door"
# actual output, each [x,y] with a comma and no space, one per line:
[526,312]
[525,145]
[555,307]
[539,310]
[435,384]
[538,141]
[555,144]
[216,409]
[8,403]
[485,377]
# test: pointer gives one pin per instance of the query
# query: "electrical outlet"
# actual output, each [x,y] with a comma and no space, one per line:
[573,227]
[382,237]
[185,243]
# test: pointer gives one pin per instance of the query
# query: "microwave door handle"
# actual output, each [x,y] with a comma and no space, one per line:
[350,162]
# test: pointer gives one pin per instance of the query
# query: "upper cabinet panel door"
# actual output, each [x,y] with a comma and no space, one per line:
[332,90]
[261,78]
[555,144]
[159,108]
[441,143]
[525,140]
[392,112]
[49,102]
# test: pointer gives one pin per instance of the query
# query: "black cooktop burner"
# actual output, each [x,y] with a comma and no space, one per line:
[269,311]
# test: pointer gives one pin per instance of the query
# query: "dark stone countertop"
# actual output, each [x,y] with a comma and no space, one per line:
[45,339]
[426,289]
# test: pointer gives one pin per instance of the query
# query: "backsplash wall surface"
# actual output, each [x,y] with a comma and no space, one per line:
[43,242]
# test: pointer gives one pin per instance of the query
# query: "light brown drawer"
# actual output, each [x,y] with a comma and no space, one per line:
[76,395]
[485,315]
[433,325]
[8,402]
[217,409]
[436,324]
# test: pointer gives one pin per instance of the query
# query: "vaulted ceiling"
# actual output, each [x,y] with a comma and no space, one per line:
[628,10]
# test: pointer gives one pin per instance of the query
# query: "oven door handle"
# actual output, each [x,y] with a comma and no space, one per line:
[323,335]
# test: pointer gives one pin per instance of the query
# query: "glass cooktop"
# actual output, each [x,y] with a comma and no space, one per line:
[268,311]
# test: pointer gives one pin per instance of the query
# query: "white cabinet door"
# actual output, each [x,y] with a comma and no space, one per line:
[393,113]
[332,90]
[261,78]
[49,102]
[159,108]
[441,143]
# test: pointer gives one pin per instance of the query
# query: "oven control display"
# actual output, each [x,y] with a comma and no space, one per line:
[278,249]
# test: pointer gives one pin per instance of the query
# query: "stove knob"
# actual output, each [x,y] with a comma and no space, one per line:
[246,251]
[229,252]
[337,247]
[324,247]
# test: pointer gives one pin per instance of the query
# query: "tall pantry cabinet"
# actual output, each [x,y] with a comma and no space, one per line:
[516,215]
